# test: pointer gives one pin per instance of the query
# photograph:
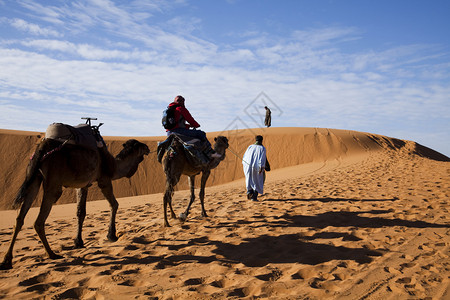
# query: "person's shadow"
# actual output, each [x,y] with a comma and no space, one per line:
[289,248]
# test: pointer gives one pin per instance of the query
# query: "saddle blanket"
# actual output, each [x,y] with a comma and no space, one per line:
[195,149]
[81,135]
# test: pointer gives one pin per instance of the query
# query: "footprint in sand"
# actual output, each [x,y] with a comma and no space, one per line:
[272,276]
[128,282]
[38,283]
[221,283]
[73,293]
[34,280]
[141,240]
[392,270]
[239,292]
[193,281]
[43,287]
[131,271]
[105,273]
[61,269]
[405,280]
[341,276]
[304,273]
[130,248]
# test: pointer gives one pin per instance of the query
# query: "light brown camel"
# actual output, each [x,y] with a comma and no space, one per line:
[57,165]
[175,163]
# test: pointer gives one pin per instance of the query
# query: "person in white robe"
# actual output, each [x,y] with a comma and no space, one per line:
[255,164]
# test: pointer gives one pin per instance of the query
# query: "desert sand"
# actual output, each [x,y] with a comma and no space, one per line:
[345,215]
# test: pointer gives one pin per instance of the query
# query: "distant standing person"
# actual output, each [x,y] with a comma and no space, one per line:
[255,164]
[268,119]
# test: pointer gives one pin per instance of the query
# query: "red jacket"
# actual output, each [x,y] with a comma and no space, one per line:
[183,117]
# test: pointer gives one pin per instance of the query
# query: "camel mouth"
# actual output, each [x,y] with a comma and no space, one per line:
[145,149]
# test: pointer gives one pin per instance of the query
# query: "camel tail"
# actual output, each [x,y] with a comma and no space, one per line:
[33,179]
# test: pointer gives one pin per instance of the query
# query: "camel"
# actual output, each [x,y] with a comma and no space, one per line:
[175,163]
[56,165]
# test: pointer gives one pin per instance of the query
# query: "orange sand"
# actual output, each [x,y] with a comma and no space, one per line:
[346,215]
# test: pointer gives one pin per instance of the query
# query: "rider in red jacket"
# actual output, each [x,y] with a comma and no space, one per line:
[184,121]
[183,117]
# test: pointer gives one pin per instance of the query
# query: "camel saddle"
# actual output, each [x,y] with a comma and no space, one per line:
[81,135]
[195,149]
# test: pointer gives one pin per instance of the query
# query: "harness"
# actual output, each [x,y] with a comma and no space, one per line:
[49,152]
[52,151]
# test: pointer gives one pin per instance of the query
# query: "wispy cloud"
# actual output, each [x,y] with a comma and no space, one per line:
[314,38]
[33,29]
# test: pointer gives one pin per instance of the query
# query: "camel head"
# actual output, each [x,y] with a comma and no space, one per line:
[133,151]
[220,145]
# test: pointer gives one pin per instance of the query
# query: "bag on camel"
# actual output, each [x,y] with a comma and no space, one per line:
[168,118]
[81,135]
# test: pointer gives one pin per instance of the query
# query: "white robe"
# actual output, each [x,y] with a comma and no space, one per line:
[253,161]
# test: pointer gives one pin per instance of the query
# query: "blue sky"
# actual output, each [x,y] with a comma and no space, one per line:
[374,66]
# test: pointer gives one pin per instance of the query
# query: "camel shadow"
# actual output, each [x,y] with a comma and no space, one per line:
[329,199]
[252,252]
[354,219]
[266,249]
[289,248]
[334,219]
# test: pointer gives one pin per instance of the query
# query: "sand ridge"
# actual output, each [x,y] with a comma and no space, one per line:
[359,222]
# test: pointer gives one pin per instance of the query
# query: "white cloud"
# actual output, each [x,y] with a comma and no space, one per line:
[34,29]
[53,45]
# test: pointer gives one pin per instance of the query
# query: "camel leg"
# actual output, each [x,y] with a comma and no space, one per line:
[172,177]
[172,212]
[205,176]
[171,182]
[46,206]
[7,260]
[168,201]
[30,195]
[184,215]
[107,191]
[81,214]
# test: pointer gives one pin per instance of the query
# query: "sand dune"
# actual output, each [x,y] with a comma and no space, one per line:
[285,146]
[346,215]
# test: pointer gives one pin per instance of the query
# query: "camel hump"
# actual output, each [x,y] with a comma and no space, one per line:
[81,135]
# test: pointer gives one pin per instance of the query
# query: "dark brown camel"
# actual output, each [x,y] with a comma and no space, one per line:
[177,164]
[56,165]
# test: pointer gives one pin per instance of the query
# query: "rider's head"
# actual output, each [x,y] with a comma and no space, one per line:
[179,99]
